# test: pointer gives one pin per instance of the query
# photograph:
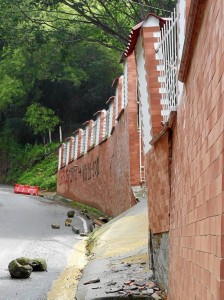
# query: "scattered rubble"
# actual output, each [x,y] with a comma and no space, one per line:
[114,290]
[111,283]
[83,234]
[22,267]
[95,280]
[75,230]
[104,219]
[98,222]
[134,287]
[39,264]
[156,296]
[71,214]
[68,222]
[55,226]
[88,217]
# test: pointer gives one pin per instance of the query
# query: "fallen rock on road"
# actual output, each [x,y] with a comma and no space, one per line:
[22,267]
[18,270]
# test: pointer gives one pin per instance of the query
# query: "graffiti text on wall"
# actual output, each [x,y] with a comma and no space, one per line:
[91,170]
[86,172]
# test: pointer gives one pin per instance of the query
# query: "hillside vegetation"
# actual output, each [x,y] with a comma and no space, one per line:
[34,165]
[58,59]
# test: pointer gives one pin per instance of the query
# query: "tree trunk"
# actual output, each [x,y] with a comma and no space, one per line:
[60,134]
[50,140]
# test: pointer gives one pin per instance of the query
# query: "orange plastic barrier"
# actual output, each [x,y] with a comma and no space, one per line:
[26,189]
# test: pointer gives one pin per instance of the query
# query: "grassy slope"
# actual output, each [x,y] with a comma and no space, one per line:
[42,174]
[34,165]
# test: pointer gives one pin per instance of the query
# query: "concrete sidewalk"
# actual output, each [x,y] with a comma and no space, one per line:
[119,261]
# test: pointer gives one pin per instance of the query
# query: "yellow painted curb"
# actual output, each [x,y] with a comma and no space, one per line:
[64,288]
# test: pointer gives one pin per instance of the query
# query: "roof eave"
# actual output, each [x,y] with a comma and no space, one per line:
[134,35]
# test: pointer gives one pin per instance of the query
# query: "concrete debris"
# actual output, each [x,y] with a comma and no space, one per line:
[128,282]
[83,234]
[122,293]
[71,213]
[68,222]
[133,287]
[111,291]
[133,293]
[104,219]
[139,283]
[97,222]
[145,293]
[111,283]
[87,216]
[95,280]
[55,226]
[75,230]
[150,284]
[156,296]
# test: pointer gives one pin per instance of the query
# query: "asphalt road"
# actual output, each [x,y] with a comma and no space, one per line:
[25,230]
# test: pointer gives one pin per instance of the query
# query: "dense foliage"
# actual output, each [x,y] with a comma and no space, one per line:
[61,55]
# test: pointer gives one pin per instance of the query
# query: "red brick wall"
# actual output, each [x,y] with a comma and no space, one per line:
[102,178]
[157,181]
[196,212]
[196,202]
[188,4]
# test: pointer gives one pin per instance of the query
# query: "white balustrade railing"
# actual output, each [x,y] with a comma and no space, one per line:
[83,142]
[73,147]
[167,51]
[93,134]
[107,124]
[64,153]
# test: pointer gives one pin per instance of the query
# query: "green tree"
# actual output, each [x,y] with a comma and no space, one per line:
[41,119]
[106,22]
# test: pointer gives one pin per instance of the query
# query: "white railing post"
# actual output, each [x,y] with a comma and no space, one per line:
[67,152]
[72,148]
[107,123]
[59,158]
[168,66]
[76,146]
[64,153]
[93,134]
